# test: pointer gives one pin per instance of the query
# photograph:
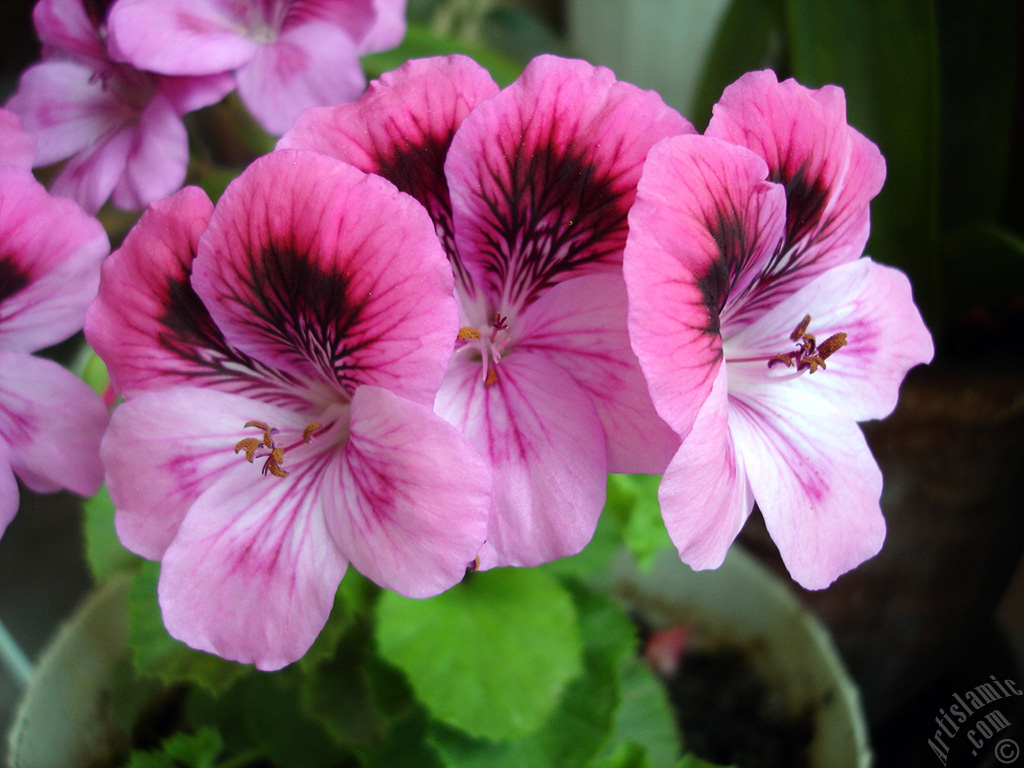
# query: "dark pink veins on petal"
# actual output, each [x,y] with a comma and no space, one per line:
[552,212]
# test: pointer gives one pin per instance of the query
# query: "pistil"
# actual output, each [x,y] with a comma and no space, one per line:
[490,346]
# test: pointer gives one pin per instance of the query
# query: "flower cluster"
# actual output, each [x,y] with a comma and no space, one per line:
[417,336]
[50,421]
[117,77]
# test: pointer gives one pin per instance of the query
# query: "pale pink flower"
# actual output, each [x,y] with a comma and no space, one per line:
[280,355]
[764,336]
[121,128]
[287,55]
[529,189]
[50,421]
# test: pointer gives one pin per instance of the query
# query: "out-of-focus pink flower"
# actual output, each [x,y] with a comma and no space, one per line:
[287,55]
[280,355]
[50,421]
[529,190]
[764,336]
[120,127]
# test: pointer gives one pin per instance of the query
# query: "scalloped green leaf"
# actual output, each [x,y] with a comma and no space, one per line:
[583,722]
[492,655]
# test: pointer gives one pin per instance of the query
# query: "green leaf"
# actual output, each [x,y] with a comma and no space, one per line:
[884,53]
[103,551]
[633,499]
[978,56]
[338,694]
[750,37]
[195,750]
[692,761]
[490,656]
[282,728]
[355,597]
[181,750]
[582,723]
[421,43]
[644,718]
[156,654]
[94,372]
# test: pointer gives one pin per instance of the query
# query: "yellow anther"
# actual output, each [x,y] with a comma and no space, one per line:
[250,445]
[492,377]
[468,334]
[833,343]
[273,463]
[798,332]
[307,433]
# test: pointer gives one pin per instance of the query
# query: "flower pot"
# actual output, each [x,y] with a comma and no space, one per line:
[741,606]
[64,719]
[951,458]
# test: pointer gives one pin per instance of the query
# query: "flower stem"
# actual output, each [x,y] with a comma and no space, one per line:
[13,658]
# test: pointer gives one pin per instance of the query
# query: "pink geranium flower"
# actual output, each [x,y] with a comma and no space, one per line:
[280,355]
[763,335]
[287,55]
[121,128]
[529,190]
[50,421]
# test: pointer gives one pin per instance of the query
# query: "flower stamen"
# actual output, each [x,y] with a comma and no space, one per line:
[275,454]
[490,346]
[810,356]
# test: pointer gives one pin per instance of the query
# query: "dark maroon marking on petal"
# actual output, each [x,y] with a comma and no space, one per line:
[417,168]
[97,10]
[308,310]
[12,278]
[192,336]
[560,213]
[805,202]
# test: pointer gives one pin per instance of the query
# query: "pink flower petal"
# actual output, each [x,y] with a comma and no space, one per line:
[9,497]
[830,171]
[580,325]
[180,37]
[545,444]
[51,422]
[388,29]
[705,497]
[543,175]
[814,479]
[90,177]
[326,273]
[148,324]
[401,129]
[164,449]
[411,497]
[156,164]
[66,108]
[886,337]
[252,572]
[70,27]
[191,93]
[703,223]
[311,65]
[49,268]
[17,146]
